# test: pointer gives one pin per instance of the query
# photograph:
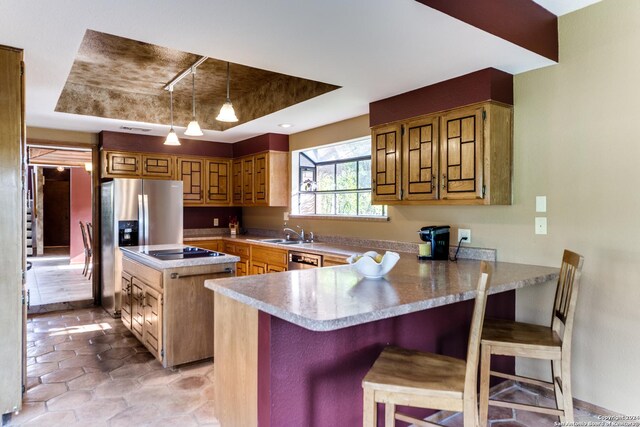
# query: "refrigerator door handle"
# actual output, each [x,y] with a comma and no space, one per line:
[145,200]
[141,222]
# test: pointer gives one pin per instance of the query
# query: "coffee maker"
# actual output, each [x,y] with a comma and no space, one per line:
[437,246]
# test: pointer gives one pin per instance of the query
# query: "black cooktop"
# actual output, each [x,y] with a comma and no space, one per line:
[182,253]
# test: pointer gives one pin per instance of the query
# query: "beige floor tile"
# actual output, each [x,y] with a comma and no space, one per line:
[159,377]
[53,419]
[100,409]
[134,370]
[69,400]
[117,388]
[44,392]
[190,383]
[88,381]
[205,414]
[135,416]
[62,375]
[28,412]
[39,369]
[181,420]
[56,356]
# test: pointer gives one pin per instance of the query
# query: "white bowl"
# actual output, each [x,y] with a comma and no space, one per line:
[369,268]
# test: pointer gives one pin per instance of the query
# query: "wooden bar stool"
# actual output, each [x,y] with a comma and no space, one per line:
[509,338]
[427,380]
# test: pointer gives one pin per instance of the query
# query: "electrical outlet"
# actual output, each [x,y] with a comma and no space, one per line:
[216,222]
[464,232]
[541,203]
[285,216]
[541,225]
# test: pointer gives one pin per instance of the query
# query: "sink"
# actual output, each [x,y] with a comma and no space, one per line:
[280,241]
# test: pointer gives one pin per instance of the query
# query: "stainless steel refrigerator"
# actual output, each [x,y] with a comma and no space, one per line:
[135,212]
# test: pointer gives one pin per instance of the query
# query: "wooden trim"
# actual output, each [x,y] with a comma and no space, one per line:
[35,142]
[524,407]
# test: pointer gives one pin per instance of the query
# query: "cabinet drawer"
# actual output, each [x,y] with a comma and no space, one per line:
[269,255]
[157,166]
[333,260]
[239,249]
[212,245]
[148,275]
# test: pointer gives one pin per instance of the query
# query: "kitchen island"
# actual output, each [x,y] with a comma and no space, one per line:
[164,302]
[296,345]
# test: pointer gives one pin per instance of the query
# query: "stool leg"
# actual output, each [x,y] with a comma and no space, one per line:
[369,410]
[389,415]
[485,368]
[566,390]
[556,372]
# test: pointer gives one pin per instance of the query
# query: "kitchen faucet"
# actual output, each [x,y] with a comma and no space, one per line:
[300,235]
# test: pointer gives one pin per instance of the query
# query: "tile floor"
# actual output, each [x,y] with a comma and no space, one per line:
[87,369]
[52,279]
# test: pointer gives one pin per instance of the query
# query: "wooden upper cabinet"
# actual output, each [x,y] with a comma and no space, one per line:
[461,149]
[217,188]
[420,159]
[247,180]
[191,173]
[461,156]
[237,187]
[261,179]
[117,164]
[386,163]
[157,166]
[271,179]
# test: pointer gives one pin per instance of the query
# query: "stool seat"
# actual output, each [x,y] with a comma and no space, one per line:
[410,371]
[508,334]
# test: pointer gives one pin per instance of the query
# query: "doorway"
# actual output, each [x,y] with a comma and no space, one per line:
[59,248]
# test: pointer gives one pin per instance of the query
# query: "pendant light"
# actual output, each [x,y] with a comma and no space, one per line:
[172,138]
[226,112]
[193,128]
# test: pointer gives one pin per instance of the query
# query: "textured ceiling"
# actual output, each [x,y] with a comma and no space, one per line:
[118,78]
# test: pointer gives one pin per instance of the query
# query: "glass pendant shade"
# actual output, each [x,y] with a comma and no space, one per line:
[172,138]
[226,113]
[193,129]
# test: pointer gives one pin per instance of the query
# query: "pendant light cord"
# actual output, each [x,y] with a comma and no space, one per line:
[228,79]
[193,91]
[171,105]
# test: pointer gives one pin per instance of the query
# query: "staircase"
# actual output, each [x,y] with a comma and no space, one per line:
[30,251]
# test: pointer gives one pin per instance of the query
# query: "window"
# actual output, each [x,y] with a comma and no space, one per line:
[334,180]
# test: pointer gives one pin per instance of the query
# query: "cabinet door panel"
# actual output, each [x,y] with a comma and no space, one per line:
[137,309]
[157,166]
[247,180]
[242,268]
[218,179]
[122,164]
[461,156]
[126,300]
[386,163]
[152,321]
[261,179]
[258,267]
[238,186]
[420,158]
[190,172]
[275,268]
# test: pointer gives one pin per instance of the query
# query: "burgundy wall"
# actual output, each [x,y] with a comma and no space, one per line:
[522,22]
[268,141]
[155,144]
[483,85]
[202,217]
[80,211]
[315,377]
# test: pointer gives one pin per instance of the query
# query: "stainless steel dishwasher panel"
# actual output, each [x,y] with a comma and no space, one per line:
[302,260]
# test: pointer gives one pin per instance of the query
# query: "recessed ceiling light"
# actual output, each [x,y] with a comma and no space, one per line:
[285,125]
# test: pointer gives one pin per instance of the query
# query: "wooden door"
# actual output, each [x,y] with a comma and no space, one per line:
[218,179]
[386,162]
[126,300]
[261,179]
[236,171]
[242,268]
[152,330]
[272,268]
[247,180]
[461,154]
[190,172]
[258,267]
[137,308]
[420,159]
[121,164]
[157,166]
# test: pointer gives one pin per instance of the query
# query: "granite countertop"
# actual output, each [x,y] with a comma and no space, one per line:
[136,253]
[331,298]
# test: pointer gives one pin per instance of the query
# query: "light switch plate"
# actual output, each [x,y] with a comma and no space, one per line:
[464,232]
[286,216]
[541,203]
[216,222]
[541,225]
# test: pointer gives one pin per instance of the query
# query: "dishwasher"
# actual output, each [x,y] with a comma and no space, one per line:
[301,260]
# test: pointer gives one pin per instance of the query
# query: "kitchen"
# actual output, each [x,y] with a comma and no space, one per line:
[563,115]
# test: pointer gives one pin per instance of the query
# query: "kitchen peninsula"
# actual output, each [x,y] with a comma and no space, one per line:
[164,300]
[296,345]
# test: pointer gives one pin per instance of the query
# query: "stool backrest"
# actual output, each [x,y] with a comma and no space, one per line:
[564,307]
[475,332]
[84,236]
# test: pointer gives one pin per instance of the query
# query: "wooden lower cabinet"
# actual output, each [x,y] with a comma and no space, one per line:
[268,260]
[258,267]
[243,250]
[213,244]
[333,260]
[170,311]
